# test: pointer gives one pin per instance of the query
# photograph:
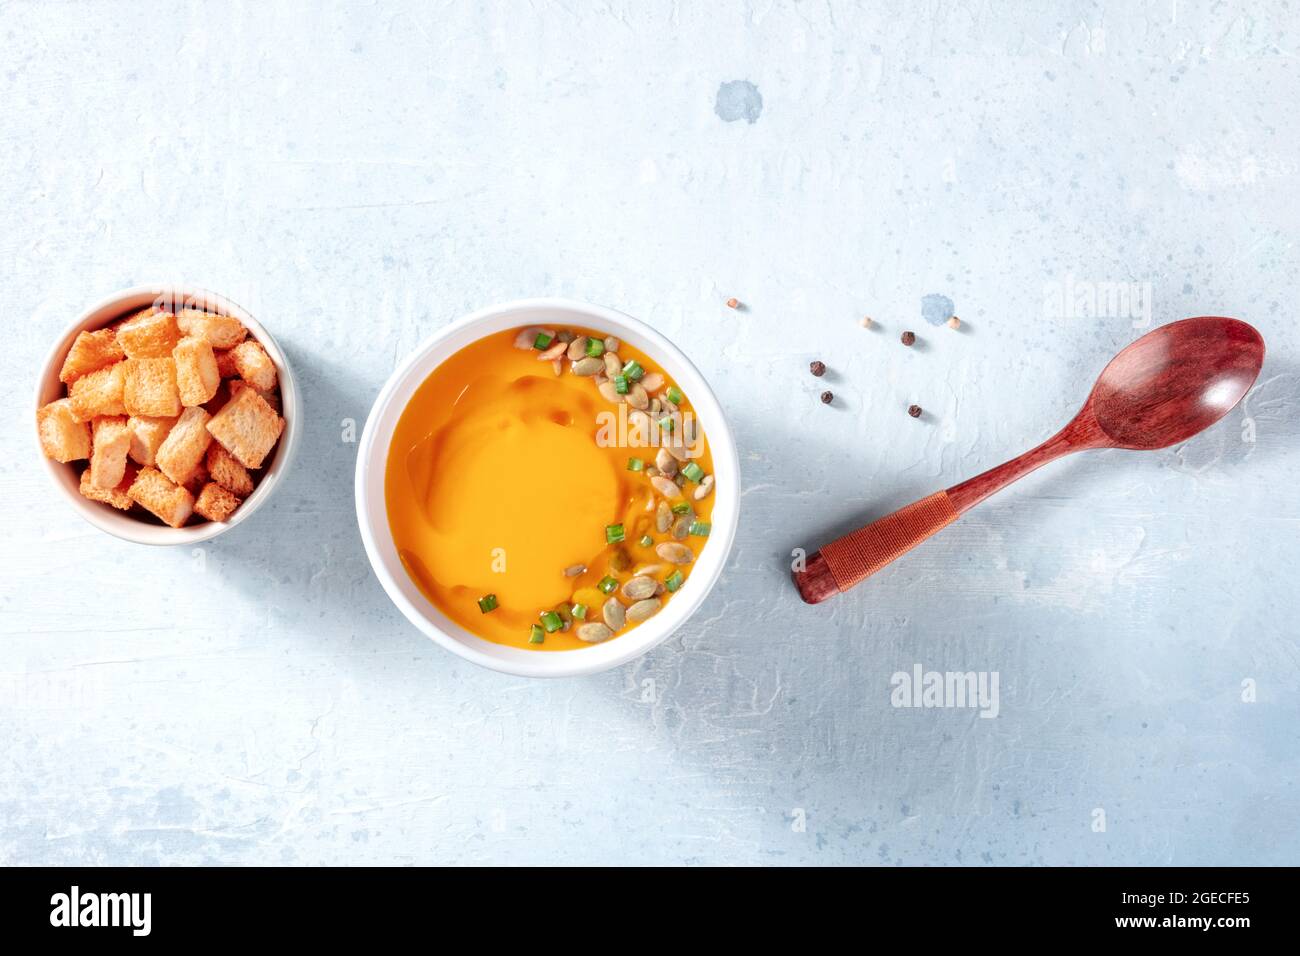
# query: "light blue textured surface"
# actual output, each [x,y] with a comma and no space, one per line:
[359,175]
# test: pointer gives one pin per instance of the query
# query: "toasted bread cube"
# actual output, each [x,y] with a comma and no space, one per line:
[151,388]
[90,352]
[64,437]
[247,427]
[197,377]
[226,363]
[99,393]
[110,441]
[147,435]
[254,365]
[226,471]
[182,450]
[270,396]
[152,491]
[215,503]
[152,333]
[117,497]
[220,331]
[197,479]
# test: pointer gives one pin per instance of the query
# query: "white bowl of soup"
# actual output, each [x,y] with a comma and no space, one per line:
[547,488]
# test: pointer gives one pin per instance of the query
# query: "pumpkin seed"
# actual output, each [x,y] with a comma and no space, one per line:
[620,560]
[612,364]
[614,615]
[659,588]
[577,348]
[611,344]
[526,337]
[666,487]
[675,447]
[705,488]
[587,366]
[639,588]
[682,528]
[574,570]
[551,354]
[653,381]
[656,406]
[663,517]
[565,336]
[594,633]
[644,610]
[610,393]
[637,397]
[666,463]
[651,471]
[674,552]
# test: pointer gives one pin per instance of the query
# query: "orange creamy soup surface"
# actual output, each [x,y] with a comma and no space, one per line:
[549,488]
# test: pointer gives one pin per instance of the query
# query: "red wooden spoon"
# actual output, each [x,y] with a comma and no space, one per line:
[1171,383]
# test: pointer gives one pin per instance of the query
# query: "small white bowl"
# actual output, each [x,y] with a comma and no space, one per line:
[372,513]
[67,477]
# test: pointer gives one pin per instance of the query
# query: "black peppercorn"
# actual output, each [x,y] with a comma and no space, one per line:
[817,368]
[827,398]
[914,411]
[908,338]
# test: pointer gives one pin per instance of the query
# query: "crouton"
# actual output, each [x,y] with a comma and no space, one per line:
[197,377]
[99,393]
[90,352]
[228,472]
[271,397]
[152,333]
[247,427]
[152,491]
[146,435]
[150,388]
[197,479]
[183,448]
[117,497]
[110,441]
[215,503]
[64,437]
[220,331]
[225,363]
[254,365]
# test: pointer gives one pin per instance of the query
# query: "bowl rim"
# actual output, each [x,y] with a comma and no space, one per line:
[123,526]
[369,485]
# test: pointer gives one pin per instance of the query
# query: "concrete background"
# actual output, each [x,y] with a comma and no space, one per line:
[358,175]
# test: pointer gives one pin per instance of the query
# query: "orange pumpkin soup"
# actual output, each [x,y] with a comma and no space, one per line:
[549,488]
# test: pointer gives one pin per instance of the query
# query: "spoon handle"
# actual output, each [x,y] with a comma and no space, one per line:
[852,559]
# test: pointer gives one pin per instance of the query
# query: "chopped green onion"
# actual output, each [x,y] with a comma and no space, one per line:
[551,621]
[607,584]
[700,529]
[595,348]
[579,612]
[621,384]
[633,371]
[536,635]
[673,581]
[666,423]
[681,508]
[487,602]
[635,464]
[674,395]
[692,471]
[542,341]
[614,533]
[646,541]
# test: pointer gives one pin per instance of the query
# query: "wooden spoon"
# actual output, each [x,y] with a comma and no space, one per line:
[1165,387]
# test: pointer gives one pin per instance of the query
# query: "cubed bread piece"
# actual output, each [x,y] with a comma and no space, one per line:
[152,333]
[220,331]
[247,427]
[182,450]
[226,363]
[151,388]
[110,441]
[152,491]
[197,479]
[90,352]
[99,393]
[215,503]
[147,435]
[271,396]
[197,377]
[117,497]
[226,471]
[254,365]
[64,437]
